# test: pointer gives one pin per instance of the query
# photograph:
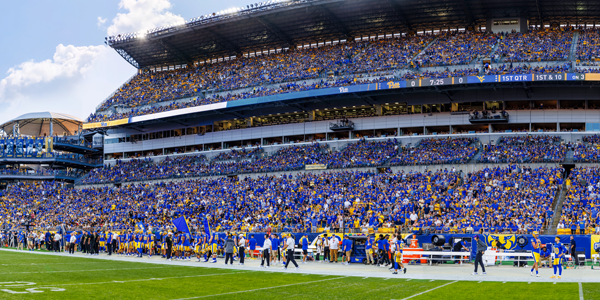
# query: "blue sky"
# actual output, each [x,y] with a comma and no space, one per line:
[54,58]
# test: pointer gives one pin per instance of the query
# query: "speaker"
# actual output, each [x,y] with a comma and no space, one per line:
[438,240]
[522,241]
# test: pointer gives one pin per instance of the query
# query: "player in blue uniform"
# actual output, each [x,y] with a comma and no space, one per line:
[399,245]
[558,254]
[186,246]
[214,240]
[102,244]
[139,244]
[537,244]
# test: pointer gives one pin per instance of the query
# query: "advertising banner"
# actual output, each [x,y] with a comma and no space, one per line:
[19,148]
[29,147]
[10,147]
[39,147]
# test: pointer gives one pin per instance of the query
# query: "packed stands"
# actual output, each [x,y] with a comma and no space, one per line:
[239,154]
[437,151]
[459,48]
[389,54]
[360,154]
[536,45]
[581,205]
[295,70]
[496,200]
[363,154]
[525,69]
[283,202]
[514,199]
[146,169]
[589,151]
[588,44]
[524,149]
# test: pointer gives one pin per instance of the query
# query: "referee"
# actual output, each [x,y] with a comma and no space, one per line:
[289,246]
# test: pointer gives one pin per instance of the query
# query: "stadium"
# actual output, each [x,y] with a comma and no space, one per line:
[344,149]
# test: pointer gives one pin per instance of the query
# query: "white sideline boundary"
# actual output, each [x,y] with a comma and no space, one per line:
[442,272]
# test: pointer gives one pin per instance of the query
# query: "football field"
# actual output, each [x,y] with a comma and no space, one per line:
[35,276]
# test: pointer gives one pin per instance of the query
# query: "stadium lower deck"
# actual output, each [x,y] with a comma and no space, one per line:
[62,275]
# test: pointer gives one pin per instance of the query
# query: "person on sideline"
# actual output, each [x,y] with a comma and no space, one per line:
[241,248]
[289,248]
[304,244]
[266,252]
[229,245]
[481,247]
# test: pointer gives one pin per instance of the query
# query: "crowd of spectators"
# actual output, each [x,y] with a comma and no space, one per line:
[458,48]
[363,154]
[524,149]
[289,158]
[437,151]
[239,154]
[582,202]
[588,44]
[147,169]
[586,154]
[447,73]
[525,69]
[588,151]
[389,53]
[494,200]
[513,199]
[295,70]
[536,45]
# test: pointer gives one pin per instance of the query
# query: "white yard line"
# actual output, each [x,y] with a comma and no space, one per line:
[433,289]
[145,279]
[261,289]
[71,271]
[580,292]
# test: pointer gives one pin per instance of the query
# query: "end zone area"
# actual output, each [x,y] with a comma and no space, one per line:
[26,275]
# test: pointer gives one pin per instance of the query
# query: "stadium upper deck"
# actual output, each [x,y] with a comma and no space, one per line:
[278,24]
[300,40]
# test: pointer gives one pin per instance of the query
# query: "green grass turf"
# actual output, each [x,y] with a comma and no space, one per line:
[101,279]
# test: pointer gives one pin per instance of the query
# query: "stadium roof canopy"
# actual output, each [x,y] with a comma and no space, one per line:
[38,124]
[286,23]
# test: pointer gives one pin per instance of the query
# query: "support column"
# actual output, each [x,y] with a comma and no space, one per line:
[51,128]
[558,127]
[451,129]
[250,122]
[378,110]
[311,115]
[489,128]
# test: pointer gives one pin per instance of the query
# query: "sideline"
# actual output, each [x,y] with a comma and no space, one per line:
[415,272]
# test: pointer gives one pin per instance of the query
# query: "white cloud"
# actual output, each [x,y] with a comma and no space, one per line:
[101,21]
[74,81]
[142,15]
[67,62]
[78,78]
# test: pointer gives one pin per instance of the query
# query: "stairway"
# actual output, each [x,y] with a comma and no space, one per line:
[573,50]
[557,205]
[424,49]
